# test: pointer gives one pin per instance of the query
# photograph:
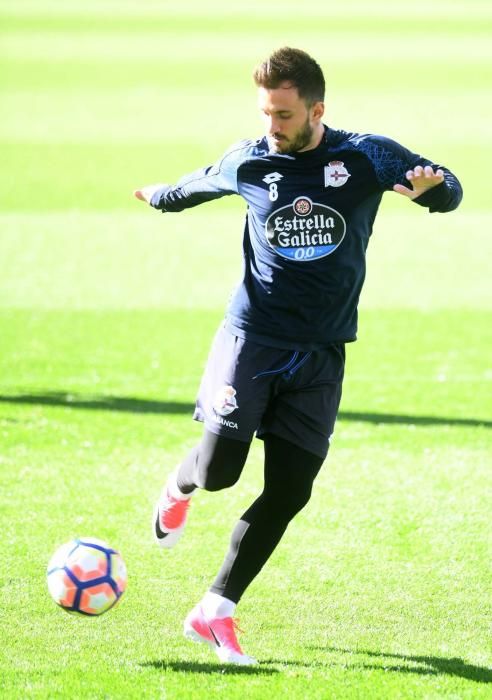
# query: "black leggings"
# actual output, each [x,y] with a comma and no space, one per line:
[289,474]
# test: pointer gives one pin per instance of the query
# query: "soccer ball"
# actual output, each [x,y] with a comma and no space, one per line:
[86,576]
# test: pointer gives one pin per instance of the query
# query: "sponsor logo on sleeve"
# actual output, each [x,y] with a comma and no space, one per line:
[305,230]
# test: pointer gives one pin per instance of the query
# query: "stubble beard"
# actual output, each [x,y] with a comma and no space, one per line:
[302,139]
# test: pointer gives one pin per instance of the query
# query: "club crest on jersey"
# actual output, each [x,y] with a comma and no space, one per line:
[305,230]
[225,401]
[336,174]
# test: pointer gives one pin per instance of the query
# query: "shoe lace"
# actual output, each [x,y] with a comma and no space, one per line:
[235,624]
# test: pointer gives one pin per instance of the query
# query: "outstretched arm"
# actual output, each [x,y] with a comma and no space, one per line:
[203,185]
[196,188]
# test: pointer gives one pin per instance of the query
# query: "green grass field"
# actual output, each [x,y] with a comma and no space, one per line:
[381,587]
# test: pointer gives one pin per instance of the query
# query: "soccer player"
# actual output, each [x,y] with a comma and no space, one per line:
[277,361]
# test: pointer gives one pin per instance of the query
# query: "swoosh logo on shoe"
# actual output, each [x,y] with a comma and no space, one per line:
[213,635]
[158,530]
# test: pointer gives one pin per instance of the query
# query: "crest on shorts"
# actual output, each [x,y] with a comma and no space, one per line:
[336,174]
[225,401]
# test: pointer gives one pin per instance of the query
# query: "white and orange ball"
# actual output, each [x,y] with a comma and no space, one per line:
[86,576]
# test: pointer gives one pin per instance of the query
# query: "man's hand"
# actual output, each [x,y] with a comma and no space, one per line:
[146,193]
[422,179]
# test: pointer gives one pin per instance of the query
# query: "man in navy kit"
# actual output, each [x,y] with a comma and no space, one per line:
[276,365]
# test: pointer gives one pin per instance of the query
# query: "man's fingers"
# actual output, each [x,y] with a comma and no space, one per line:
[146,193]
[401,189]
[416,172]
[421,179]
[427,172]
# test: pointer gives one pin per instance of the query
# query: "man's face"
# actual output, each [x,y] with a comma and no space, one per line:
[289,124]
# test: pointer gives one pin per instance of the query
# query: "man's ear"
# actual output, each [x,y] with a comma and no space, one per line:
[318,110]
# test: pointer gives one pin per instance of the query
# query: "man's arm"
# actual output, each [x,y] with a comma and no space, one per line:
[438,190]
[190,191]
[399,170]
[212,182]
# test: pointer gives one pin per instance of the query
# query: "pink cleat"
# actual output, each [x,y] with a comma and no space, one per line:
[219,633]
[169,518]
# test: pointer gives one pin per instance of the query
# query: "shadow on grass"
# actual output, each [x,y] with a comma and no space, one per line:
[428,665]
[197,667]
[395,663]
[394,418]
[130,404]
[125,404]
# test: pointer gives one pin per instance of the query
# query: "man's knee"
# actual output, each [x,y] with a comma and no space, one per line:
[287,503]
[289,475]
[220,461]
[213,478]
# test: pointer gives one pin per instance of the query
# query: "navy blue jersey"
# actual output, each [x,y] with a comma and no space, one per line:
[309,218]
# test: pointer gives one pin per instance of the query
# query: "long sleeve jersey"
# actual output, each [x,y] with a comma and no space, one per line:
[309,218]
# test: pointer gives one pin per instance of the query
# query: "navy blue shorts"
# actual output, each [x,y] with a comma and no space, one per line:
[248,388]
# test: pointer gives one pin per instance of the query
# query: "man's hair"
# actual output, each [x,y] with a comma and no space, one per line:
[296,67]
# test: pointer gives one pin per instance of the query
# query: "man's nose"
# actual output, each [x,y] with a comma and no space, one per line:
[273,126]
